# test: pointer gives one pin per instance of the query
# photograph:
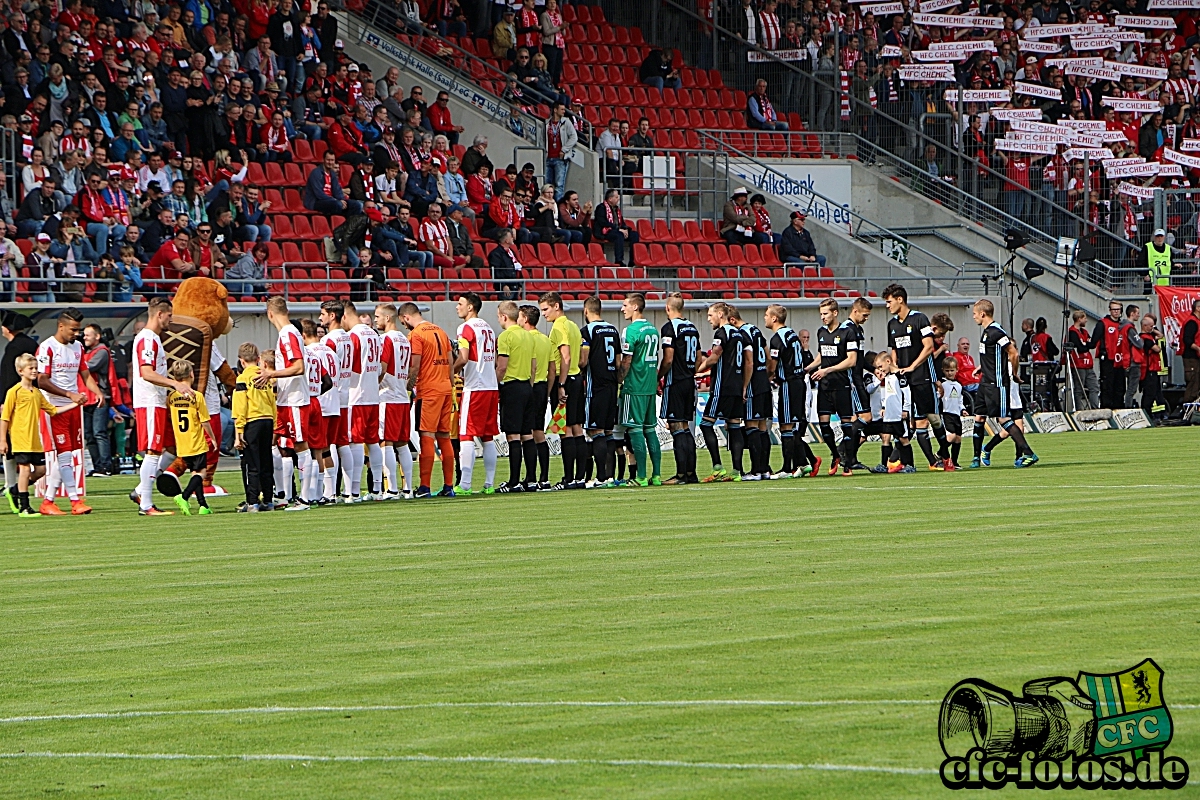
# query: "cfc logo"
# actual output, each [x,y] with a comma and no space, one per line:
[1095,731]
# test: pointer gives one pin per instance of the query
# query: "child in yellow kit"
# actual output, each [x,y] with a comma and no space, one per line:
[189,418]
[20,423]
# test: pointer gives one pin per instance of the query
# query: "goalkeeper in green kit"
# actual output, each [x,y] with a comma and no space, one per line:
[639,376]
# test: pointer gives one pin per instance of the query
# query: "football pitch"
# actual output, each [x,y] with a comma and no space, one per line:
[787,639]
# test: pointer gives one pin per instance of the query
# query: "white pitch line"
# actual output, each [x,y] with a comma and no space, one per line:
[449,705]
[521,761]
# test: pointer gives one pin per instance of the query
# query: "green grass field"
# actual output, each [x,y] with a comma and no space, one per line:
[790,639]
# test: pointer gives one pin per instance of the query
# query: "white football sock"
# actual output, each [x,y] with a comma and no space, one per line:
[389,468]
[277,465]
[304,463]
[404,458]
[330,482]
[10,472]
[489,463]
[356,469]
[375,459]
[53,481]
[466,456]
[66,474]
[146,474]
[286,469]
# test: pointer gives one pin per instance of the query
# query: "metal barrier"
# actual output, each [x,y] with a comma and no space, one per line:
[1175,211]
[667,175]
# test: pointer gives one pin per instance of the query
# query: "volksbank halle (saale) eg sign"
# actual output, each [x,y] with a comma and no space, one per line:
[820,190]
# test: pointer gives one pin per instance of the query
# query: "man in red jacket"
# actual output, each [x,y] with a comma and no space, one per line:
[346,141]
[1111,340]
[440,120]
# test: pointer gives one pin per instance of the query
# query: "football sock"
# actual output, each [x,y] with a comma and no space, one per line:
[346,463]
[600,456]
[994,443]
[955,449]
[809,457]
[568,457]
[358,455]
[515,455]
[710,441]
[426,458]
[885,453]
[690,447]
[786,445]
[543,451]
[23,500]
[637,437]
[10,473]
[330,483]
[655,448]
[466,454]
[977,439]
[304,464]
[1018,437]
[737,444]
[446,446]
[197,481]
[849,444]
[404,458]
[926,447]
[585,447]
[146,475]
[490,457]
[828,438]
[66,477]
[375,458]
[754,445]
[389,468]
[939,431]
[455,445]
[856,430]
[683,466]
[530,448]
[616,458]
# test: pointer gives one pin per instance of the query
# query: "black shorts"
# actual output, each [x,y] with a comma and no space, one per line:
[535,410]
[514,407]
[924,399]
[758,406]
[953,423]
[30,459]
[897,429]
[726,407]
[679,402]
[600,407]
[575,410]
[992,401]
[196,463]
[834,399]
[793,402]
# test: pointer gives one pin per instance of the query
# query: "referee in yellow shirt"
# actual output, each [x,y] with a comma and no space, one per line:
[514,373]
[567,342]
[537,449]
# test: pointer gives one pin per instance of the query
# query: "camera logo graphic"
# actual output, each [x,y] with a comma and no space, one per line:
[1099,730]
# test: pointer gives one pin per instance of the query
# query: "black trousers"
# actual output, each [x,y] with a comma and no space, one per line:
[1112,385]
[258,468]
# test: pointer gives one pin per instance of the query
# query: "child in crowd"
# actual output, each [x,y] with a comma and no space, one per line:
[952,407]
[129,270]
[20,422]
[254,421]
[189,417]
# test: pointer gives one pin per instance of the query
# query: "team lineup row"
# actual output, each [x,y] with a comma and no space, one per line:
[341,393]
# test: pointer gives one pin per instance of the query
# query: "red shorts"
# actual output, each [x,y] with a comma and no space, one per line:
[364,424]
[333,429]
[343,430]
[153,433]
[314,426]
[293,424]
[480,413]
[395,423]
[67,429]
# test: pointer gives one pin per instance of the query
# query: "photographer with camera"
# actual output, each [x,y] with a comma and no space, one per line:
[1154,403]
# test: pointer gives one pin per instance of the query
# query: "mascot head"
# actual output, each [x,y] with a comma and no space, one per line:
[206,300]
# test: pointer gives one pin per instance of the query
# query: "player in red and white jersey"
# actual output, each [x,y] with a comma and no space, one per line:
[330,406]
[60,363]
[337,339]
[150,385]
[293,399]
[365,351]
[395,408]
[480,412]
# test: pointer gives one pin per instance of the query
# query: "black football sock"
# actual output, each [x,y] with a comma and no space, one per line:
[750,441]
[196,484]
[543,454]
[679,444]
[955,449]
[828,438]
[600,456]
[1018,437]
[516,455]
[714,447]
[926,447]
[786,444]
[764,438]
[994,443]
[847,445]
[568,457]
[690,443]
[977,438]
[804,455]
[906,455]
[737,445]
[855,440]
[199,490]
[885,453]
[613,446]
[943,443]
[23,501]
[530,450]
[586,448]
[456,446]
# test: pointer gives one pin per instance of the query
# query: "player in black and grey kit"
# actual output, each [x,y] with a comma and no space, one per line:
[998,360]
[728,359]
[860,398]
[837,355]
[758,401]
[785,363]
[599,359]
[679,342]
[911,340]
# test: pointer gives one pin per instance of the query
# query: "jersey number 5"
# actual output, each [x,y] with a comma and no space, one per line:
[184,421]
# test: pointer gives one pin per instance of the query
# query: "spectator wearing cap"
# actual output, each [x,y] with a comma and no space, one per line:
[737,218]
[346,142]
[460,238]
[1155,259]
[42,267]
[421,189]
[609,224]
[526,181]
[796,245]
[561,140]
[440,119]
[504,34]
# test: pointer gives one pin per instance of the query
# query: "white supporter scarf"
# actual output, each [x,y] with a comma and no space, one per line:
[931,72]
[1140,192]
[1085,140]
[1125,37]
[1083,124]
[1014,114]
[1088,71]
[1191,162]
[1063,63]
[1094,154]
[972,46]
[1135,21]
[1190,145]
[1129,168]
[1053,31]
[1170,170]
[756,57]
[1131,104]
[1108,137]
[1028,46]
[929,6]
[1033,148]
[890,51]
[1045,138]
[1137,70]
[1036,127]
[1082,43]
[883,9]
[979,96]
[956,21]
[1171,5]
[1037,90]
